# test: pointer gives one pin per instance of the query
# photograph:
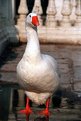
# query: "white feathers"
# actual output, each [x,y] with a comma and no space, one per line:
[37,72]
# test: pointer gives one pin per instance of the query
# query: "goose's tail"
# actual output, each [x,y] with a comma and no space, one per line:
[38,98]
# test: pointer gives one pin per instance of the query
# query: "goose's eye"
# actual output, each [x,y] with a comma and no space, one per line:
[30,15]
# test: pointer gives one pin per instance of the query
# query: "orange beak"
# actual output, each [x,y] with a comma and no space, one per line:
[35,21]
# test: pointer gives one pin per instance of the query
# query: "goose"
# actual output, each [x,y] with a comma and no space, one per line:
[37,72]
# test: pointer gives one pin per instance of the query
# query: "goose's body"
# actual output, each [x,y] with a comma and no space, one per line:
[37,72]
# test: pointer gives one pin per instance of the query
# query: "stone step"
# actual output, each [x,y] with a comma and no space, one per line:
[62,115]
[52,118]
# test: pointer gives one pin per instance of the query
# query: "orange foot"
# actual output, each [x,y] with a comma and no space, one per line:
[46,110]
[27,110]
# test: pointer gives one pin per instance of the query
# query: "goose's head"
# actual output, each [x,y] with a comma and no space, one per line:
[32,20]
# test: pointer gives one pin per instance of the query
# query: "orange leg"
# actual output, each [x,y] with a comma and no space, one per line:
[27,110]
[46,110]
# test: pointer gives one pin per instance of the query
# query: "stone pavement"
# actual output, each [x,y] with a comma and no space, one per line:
[61,115]
[8,63]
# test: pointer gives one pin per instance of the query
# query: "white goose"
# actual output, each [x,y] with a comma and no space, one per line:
[37,72]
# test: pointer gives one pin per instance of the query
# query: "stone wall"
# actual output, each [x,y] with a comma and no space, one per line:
[8,31]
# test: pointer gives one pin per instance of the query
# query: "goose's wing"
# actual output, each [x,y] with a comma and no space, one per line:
[50,60]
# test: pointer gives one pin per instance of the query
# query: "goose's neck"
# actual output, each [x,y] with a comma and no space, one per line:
[32,49]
